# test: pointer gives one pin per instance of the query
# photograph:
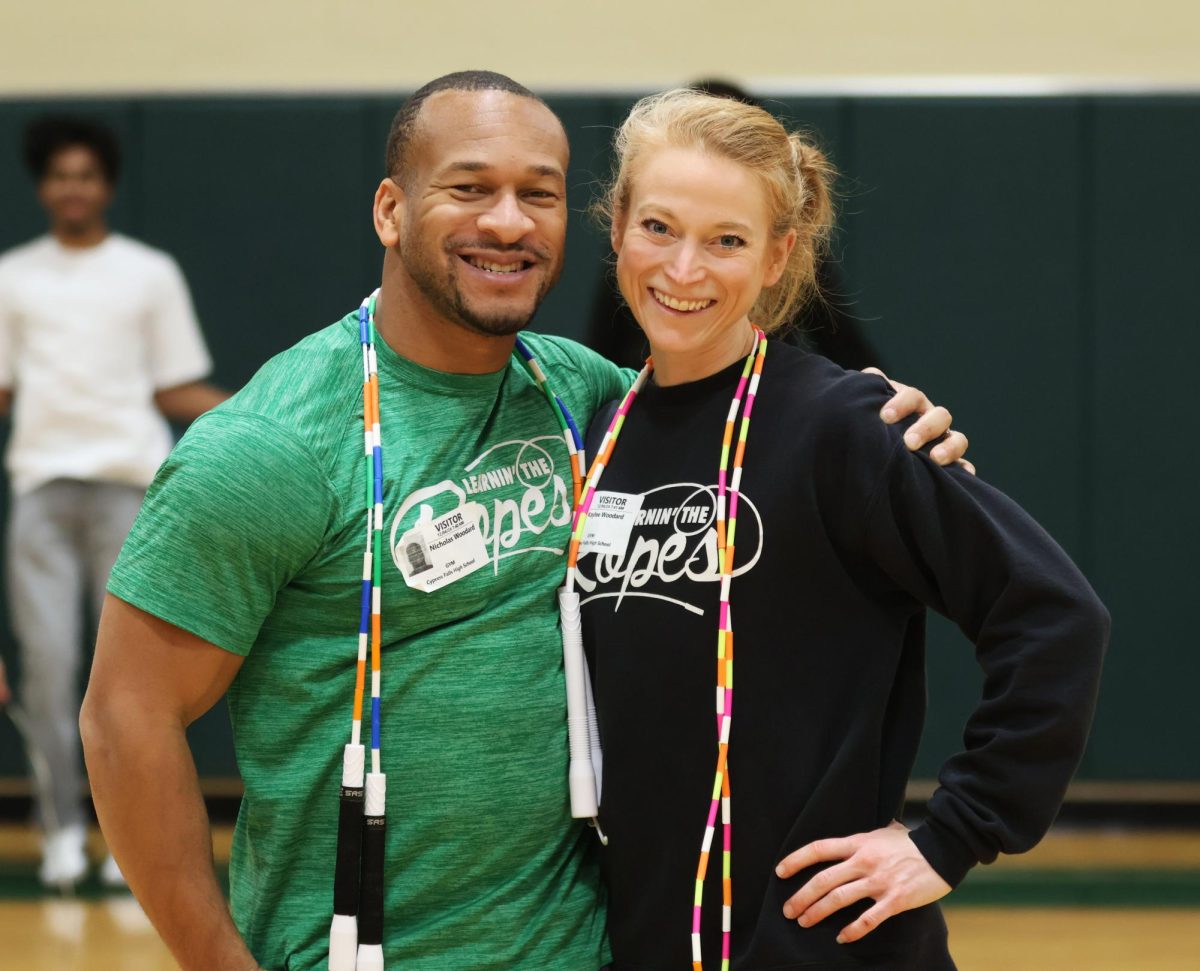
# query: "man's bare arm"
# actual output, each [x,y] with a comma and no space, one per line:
[5,401]
[149,681]
[185,402]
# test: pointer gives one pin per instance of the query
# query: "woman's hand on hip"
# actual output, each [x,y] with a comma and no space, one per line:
[883,865]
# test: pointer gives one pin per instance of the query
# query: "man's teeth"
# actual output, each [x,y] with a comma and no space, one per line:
[674,304]
[495,267]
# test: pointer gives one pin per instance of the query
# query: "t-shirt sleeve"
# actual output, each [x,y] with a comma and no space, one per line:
[609,381]
[8,337]
[601,380]
[178,354]
[961,547]
[236,511]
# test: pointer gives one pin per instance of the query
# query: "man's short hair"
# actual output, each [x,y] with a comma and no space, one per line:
[45,137]
[404,125]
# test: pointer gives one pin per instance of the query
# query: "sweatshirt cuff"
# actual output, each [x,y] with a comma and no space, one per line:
[943,850]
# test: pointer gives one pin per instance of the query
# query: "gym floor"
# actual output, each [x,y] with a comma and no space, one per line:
[1083,900]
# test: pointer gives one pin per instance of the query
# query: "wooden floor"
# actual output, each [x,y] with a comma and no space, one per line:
[112,934]
[1052,939]
[76,935]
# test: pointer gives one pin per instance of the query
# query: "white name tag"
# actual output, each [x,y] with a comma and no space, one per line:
[435,554]
[610,522]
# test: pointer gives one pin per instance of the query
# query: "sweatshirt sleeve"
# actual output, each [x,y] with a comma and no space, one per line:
[966,550]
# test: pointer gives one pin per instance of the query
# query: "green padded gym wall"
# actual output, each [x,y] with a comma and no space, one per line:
[1028,262]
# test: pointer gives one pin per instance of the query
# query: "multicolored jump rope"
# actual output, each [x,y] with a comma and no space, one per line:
[356,933]
[726,522]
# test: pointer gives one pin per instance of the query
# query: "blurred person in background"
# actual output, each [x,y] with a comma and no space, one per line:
[825,323]
[99,347]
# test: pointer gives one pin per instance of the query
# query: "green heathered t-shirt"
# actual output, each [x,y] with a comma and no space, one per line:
[252,538]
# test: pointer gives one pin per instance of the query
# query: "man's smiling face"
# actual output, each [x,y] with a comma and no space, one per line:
[485,208]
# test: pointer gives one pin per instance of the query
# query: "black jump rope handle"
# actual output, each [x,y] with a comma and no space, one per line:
[349,849]
[370,916]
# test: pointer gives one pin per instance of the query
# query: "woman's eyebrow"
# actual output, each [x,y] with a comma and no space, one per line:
[654,208]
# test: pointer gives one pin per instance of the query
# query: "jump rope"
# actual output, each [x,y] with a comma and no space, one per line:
[728,492]
[356,932]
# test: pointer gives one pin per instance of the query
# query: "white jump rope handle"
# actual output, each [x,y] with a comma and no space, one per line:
[593,724]
[370,954]
[370,957]
[343,943]
[580,776]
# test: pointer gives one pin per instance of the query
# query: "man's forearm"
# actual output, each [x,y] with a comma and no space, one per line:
[148,799]
[186,402]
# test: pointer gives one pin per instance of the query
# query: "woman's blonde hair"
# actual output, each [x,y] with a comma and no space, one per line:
[797,177]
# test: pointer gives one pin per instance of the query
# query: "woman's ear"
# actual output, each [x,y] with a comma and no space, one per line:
[779,250]
[616,232]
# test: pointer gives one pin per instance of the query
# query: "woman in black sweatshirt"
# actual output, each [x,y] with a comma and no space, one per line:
[816,546]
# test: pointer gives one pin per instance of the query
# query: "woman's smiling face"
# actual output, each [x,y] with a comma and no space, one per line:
[694,250]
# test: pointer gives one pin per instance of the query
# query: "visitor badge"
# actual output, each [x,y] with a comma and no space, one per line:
[610,522]
[437,552]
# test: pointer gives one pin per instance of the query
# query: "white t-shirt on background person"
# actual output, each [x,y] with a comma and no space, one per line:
[87,336]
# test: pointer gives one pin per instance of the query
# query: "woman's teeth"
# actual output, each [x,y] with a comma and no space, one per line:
[685,305]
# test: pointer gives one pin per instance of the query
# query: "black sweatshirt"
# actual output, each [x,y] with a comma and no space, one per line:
[843,539]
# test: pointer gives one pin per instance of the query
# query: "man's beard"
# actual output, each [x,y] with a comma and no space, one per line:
[443,293]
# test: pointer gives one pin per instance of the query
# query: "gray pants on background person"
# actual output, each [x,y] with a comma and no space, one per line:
[63,538]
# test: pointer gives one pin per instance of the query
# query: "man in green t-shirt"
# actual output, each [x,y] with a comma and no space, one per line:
[243,572]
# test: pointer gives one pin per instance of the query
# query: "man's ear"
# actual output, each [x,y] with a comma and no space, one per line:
[389,212]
